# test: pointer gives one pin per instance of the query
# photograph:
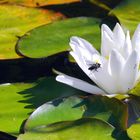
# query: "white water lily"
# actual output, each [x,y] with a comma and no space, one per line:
[118,69]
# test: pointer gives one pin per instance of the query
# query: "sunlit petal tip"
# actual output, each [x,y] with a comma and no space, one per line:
[117,26]
[105,28]
[74,38]
[119,30]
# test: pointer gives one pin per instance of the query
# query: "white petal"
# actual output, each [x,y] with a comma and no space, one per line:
[105,28]
[85,64]
[127,48]
[130,72]
[79,84]
[82,52]
[136,38]
[82,48]
[116,62]
[81,62]
[83,44]
[107,44]
[119,36]
[104,80]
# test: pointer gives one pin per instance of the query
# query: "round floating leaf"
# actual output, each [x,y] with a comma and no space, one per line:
[81,129]
[128,13]
[55,111]
[134,131]
[18,100]
[12,27]
[12,111]
[70,108]
[53,38]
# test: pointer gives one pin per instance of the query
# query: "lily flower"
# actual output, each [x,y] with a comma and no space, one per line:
[115,70]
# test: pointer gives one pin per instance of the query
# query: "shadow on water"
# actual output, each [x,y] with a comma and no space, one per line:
[87,9]
[28,69]
[6,136]
[83,8]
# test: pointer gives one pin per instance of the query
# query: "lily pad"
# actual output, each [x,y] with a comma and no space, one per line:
[12,111]
[53,38]
[63,109]
[81,129]
[12,27]
[128,13]
[133,131]
[71,108]
[18,100]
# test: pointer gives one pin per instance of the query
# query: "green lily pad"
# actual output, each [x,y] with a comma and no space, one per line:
[63,109]
[82,129]
[53,38]
[12,27]
[133,131]
[128,13]
[18,100]
[12,111]
[71,108]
